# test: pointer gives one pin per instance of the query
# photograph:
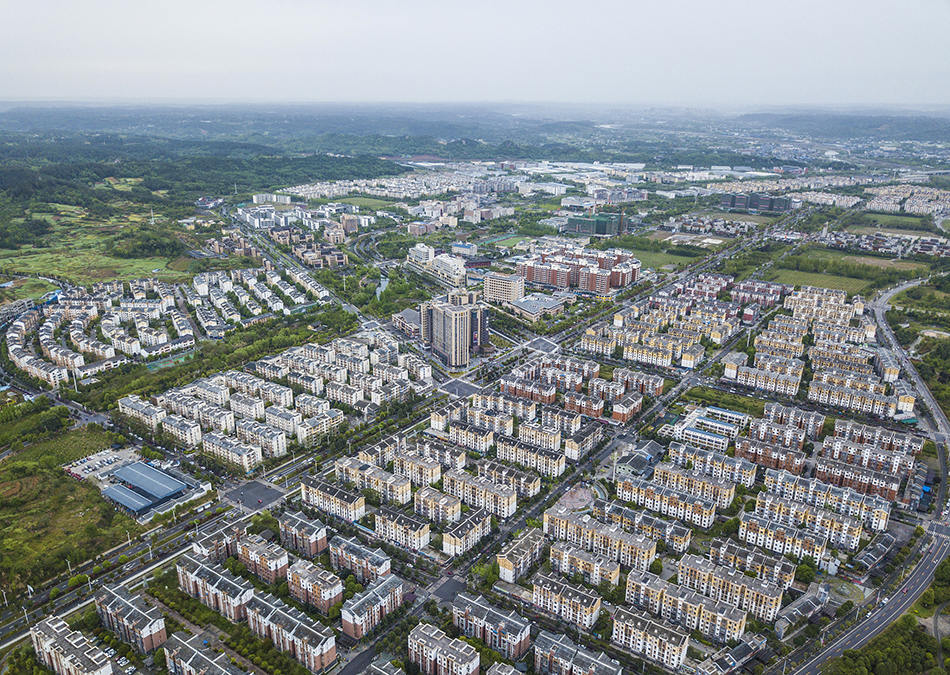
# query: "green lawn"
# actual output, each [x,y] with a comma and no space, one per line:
[84,266]
[892,219]
[24,288]
[366,202]
[721,399]
[47,517]
[511,241]
[797,278]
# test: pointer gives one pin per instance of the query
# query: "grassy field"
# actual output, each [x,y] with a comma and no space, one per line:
[366,202]
[867,229]
[85,266]
[930,298]
[24,288]
[658,259]
[824,280]
[885,263]
[721,399]
[46,517]
[508,242]
[892,219]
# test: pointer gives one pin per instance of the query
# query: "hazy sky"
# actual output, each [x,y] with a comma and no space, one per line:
[692,52]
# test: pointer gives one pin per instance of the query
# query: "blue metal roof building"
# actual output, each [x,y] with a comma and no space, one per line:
[142,487]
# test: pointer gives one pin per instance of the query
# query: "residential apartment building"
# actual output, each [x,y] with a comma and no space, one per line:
[134,407]
[762,598]
[548,438]
[498,422]
[676,536]
[438,654]
[504,632]
[185,431]
[437,506]
[526,484]
[308,642]
[214,587]
[314,586]
[609,541]
[716,464]
[511,405]
[273,441]
[771,456]
[402,530]
[842,532]
[364,476]
[193,654]
[471,437]
[668,501]
[556,654]
[682,606]
[331,499]
[462,535]
[421,471]
[265,560]
[480,492]
[866,481]
[65,651]
[301,534]
[727,553]
[130,618]
[574,604]
[517,557]
[778,538]
[364,611]
[872,510]
[247,457]
[690,481]
[650,639]
[546,462]
[569,560]
[366,564]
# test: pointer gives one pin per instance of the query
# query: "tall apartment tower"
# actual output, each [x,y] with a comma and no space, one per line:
[454,325]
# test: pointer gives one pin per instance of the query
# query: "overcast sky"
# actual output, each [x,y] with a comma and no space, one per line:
[683,52]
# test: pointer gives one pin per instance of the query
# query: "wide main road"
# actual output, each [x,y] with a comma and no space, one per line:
[887,612]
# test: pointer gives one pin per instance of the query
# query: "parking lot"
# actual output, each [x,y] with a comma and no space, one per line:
[255,495]
[98,466]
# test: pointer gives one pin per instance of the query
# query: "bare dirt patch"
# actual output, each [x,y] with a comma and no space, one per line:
[881,262]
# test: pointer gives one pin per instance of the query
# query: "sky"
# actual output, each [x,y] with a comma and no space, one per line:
[727,53]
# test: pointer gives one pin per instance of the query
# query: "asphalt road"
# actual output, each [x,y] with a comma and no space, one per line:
[887,612]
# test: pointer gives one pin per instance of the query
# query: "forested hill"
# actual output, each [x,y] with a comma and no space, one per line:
[831,126]
[63,169]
